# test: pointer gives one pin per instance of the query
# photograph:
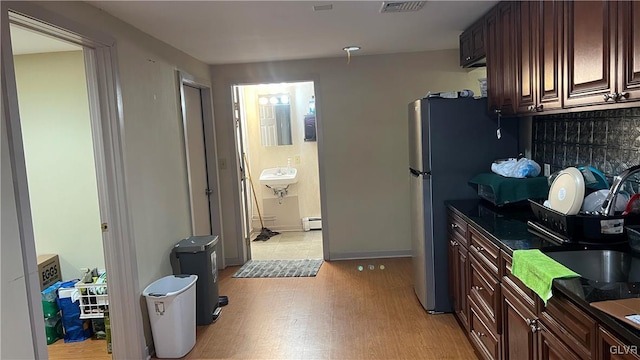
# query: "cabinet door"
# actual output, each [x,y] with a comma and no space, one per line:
[526,43]
[549,55]
[454,286]
[507,35]
[463,286]
[494,60]
[612,348]
[477,40]
[550,347]
[629,50]
[466,48]
[590,51]
[517,337]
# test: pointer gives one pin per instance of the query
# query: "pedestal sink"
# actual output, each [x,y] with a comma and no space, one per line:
[279,178]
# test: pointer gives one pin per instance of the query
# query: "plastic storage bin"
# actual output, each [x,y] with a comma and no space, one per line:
[171,302]
[197,255]
[93,300]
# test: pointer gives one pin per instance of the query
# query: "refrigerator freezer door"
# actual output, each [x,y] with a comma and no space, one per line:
[421,238]
[418,139]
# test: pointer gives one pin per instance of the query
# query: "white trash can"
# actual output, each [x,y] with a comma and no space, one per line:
[171,302]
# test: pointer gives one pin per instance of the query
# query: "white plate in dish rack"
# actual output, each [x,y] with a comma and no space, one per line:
[567,191]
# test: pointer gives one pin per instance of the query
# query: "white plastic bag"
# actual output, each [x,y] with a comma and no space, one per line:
[516,168]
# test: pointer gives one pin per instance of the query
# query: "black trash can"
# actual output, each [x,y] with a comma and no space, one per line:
[197,255]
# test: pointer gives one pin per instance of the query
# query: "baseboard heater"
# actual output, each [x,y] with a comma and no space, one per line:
[311,223]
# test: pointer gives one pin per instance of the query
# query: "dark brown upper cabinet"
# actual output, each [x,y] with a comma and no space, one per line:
[472,45]
[590,48]
[629,50]
[501,63]
[538,55]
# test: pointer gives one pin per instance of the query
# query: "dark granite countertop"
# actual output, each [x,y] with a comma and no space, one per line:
[507,228]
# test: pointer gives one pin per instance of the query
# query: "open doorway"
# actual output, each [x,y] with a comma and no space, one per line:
[103,92]
[57,138]
[276,129]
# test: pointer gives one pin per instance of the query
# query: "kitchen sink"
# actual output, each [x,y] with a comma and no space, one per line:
[600,265]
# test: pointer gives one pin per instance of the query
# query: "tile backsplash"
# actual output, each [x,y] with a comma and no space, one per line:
[608,140]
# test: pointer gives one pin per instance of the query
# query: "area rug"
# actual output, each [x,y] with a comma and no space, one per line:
[279,268]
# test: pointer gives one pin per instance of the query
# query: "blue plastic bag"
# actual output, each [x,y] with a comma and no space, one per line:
[75,329]
[516,168]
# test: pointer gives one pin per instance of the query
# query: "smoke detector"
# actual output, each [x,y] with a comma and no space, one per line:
[401,6]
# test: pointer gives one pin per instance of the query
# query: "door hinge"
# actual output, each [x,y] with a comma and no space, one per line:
[104,226]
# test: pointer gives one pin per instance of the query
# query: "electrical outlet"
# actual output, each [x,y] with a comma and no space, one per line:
[296,159]
[547,170]
[222,163]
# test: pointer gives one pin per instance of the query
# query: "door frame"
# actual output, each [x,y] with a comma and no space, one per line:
[244,246]
[215,208]
[105,104]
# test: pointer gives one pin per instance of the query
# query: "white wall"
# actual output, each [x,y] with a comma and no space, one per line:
[304,196]
[362,117]
[154,151]
[56,130]
[15,342]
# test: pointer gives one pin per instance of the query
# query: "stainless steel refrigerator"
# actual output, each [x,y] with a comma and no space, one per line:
[450,141]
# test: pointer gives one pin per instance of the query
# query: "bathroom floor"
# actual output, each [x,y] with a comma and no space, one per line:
[290,245]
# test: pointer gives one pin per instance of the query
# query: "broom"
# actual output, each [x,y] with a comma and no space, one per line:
[265,234]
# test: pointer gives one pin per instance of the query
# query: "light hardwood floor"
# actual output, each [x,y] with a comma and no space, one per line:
[342,313]
[88,349]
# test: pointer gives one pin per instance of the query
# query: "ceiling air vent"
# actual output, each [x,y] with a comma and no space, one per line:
[401,6]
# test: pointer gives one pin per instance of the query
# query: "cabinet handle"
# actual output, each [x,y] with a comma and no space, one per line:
[477,288]
[535,328]
[539,107]
[622,95]
[479,334]
[611,96]
[531,108]
[453,243]
[531,322]
[454,226]
[468,58]
[478,248]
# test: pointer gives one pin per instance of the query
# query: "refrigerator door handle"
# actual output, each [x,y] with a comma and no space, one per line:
[417,173]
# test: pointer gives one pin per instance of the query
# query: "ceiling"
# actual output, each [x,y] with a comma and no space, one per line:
[227,32]
[28,42]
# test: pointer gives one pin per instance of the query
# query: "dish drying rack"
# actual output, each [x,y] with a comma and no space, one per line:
[94,300]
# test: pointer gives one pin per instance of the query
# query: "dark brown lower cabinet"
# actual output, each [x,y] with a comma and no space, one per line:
[612,348]
[482,336]
[518,337]
[550,347]
[506,321]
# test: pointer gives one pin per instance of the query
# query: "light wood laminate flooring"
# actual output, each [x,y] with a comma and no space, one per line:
[342,313]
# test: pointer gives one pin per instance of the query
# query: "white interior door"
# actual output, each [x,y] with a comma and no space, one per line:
[197,162]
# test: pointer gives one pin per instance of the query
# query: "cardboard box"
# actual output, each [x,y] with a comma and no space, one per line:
[49,270]
[626,310]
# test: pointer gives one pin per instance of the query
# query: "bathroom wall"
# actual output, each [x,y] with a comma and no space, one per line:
[304,197]
[56,130]
[362,137]
[608,140]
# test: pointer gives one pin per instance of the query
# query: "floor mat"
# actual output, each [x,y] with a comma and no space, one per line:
[279,268]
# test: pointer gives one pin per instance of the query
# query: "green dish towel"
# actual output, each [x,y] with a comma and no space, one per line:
[537,271]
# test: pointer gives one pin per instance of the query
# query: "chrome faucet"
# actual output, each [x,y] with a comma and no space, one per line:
[608,205]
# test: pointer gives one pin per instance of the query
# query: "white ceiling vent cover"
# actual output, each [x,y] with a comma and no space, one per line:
[401,6]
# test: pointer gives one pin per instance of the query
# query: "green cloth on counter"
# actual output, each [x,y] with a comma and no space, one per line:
[537,271]
[509,190]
